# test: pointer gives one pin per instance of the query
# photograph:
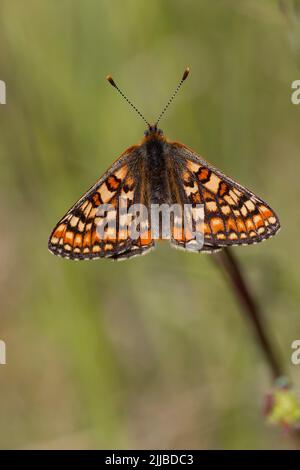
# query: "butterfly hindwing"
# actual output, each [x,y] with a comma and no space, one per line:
[233,215]
[84,232]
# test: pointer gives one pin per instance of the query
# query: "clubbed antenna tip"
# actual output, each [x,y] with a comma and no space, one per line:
[185,74]
[111,81]
[184,77]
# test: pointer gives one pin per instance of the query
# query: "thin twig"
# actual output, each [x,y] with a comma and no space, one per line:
[234,273]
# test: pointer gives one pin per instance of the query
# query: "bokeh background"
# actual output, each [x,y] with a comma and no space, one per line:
[153,352]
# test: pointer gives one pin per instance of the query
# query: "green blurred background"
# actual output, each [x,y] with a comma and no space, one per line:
[153,352]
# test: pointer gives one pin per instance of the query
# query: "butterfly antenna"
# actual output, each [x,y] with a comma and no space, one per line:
[113,83]
[184,77]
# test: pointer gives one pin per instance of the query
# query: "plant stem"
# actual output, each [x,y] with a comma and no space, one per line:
[234,273]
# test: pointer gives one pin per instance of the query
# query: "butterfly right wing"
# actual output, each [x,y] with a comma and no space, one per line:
[233,215]
[96,226]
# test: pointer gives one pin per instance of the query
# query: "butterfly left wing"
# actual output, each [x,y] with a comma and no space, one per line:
[90,230]
[233,215]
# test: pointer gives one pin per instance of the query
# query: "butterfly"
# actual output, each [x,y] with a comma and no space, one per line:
[158,172]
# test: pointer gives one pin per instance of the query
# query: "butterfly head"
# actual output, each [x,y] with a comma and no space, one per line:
[153,131]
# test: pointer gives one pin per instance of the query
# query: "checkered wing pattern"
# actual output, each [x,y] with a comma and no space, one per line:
[84,232]
[233,215]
